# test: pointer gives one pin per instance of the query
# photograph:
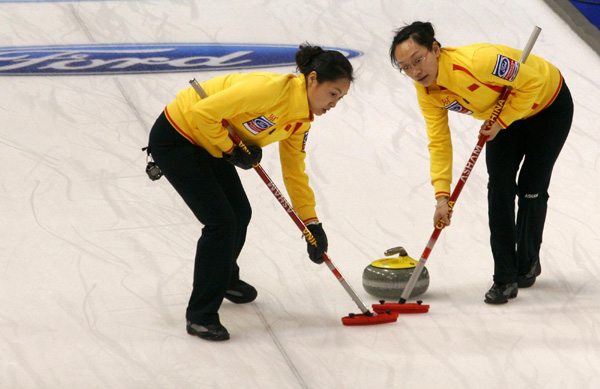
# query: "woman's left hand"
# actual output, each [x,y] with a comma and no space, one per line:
[316,251]
[442,212]
[490,132]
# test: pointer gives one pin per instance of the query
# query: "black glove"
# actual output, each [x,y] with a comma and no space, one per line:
[242,159]
[316,253]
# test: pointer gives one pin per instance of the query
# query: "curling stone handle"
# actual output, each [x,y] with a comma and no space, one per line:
[395,250]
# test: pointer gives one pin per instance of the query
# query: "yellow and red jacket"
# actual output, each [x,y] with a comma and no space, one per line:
[262,108]
[470,80]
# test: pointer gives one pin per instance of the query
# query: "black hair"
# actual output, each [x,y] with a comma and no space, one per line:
[330,65]
[421,32]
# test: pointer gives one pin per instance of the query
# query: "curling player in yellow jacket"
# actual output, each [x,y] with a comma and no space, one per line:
[521,148]
[190,144]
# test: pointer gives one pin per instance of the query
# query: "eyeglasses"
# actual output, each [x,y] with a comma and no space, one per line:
[416,63]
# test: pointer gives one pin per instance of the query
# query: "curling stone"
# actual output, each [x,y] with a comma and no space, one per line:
[387,277]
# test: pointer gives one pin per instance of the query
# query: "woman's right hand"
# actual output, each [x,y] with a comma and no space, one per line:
[244,159]
[442,212]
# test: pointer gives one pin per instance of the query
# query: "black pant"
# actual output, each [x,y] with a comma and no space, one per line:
[536,142]
[211,188]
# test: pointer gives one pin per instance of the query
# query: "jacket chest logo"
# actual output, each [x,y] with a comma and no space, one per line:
[455,106]
[506,68]
[258,125]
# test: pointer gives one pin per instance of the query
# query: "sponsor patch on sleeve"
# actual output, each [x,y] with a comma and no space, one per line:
[258,125]
[506,68]
[304,142]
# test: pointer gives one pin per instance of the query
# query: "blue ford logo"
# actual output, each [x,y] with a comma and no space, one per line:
[144,58]
[503,68]
[263,124]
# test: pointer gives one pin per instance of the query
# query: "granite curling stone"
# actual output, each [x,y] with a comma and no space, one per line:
[386,278]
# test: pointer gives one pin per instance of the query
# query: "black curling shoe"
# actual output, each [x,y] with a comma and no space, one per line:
[241,293]
[209,332]
[500,293]
[527,280]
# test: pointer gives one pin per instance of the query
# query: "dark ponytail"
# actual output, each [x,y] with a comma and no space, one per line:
[330,65]
[421,32]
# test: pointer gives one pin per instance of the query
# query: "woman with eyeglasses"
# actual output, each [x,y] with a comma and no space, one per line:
[522,145]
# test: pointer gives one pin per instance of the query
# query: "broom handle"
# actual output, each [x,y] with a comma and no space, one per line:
[466,172]
[290,211]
